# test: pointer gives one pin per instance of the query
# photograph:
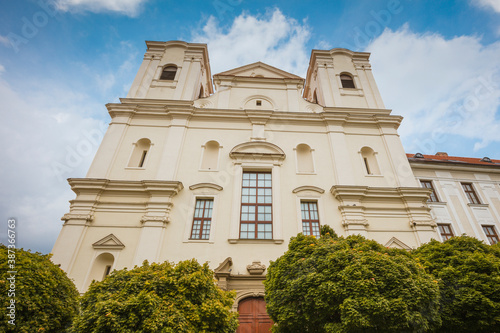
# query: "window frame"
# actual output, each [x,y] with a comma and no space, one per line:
[471,193]
[256,221]
[203,219]
[202,192]
[163,70]
[310,221]
[351,77]
[445,235]
[489,236]
[433,193]
[144,158]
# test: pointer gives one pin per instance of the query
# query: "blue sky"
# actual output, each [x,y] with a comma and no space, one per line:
[437,63]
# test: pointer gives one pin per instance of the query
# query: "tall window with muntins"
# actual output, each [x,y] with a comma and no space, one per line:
[310,218]
[491,234]
[256,206]
[445,231]
[347,81]
[470,193]
[139,154]
[428,184]
[202,219]
[210,159]
[305,162]
[168,73]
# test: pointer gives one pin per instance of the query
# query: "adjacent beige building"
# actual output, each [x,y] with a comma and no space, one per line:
[226,168]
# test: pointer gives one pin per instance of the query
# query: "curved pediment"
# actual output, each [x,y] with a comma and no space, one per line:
[257,151]
[308,188]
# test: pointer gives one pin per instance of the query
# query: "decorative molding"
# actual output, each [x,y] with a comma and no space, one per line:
[223,272]
[72,216]
[270,69]
[206,186]
[254,241]
[256,268]
[241,295]
[400,244]
[358,201]
[257,151]
[149,218]
[110,242]
[308,188]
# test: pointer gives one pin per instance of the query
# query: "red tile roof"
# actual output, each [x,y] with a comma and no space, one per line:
[452,159]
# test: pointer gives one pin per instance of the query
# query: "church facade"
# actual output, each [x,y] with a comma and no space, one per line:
[226,168]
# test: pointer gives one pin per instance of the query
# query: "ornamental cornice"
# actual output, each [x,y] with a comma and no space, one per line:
[87,185]
[259,117]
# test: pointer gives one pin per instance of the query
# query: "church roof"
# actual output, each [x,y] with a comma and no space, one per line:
[259,69]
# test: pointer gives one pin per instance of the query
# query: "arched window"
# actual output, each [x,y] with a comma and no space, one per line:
[369,161]
[201,92]
[141,149]
[102,266]
[347,81]
[168,73]
[305,162]
[210,159]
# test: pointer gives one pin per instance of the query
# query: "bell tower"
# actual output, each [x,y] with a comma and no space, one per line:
[342,78]
[173,70]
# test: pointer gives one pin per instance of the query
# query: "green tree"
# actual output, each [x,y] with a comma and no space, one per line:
[468,272]
[46,300]
[351,284]
[157,298]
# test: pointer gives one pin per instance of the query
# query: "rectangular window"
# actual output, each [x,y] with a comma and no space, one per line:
[202,219]
[310,218]
[445,231]
[491,234]
[428,184]
[256,206]
[470,193]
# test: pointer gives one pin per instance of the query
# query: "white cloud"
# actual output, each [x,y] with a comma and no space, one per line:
[491,4]
[272,38]
[45,132]
[51,133]
[4,40]
[2,69]
[126,7]
[442,87]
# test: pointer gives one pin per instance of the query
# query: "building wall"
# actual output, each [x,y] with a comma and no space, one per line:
[129,209]
[454,208]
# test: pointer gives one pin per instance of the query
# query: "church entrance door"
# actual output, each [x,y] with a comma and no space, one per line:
[253,316]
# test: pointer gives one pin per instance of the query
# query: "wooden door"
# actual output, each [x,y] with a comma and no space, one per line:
[253,316]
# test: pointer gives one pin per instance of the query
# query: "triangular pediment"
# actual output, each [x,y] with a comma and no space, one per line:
[259,69]
[396,243]
[109,242]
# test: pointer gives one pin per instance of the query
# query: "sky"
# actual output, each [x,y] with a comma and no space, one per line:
[436,63]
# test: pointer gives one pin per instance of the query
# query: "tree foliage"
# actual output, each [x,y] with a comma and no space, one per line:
[157,298]
[351,284]
[46,300]
[469,279]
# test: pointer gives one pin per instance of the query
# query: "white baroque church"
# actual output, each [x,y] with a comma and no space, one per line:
[226,168]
